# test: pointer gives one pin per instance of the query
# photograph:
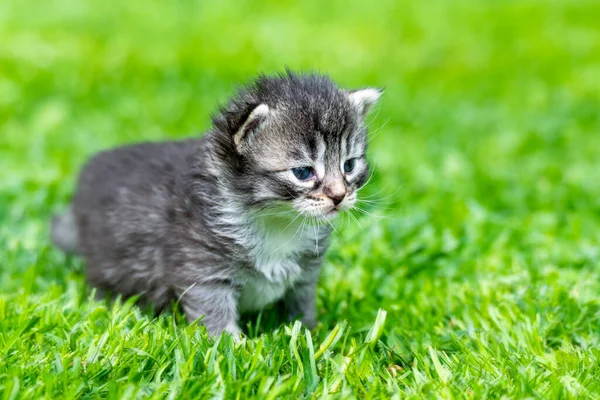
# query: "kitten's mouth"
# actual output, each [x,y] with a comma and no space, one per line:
[331,213]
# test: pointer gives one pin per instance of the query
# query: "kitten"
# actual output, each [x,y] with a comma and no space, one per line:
[235,220]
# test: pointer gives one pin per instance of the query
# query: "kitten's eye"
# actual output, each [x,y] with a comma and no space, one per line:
[303,173]
[349,165]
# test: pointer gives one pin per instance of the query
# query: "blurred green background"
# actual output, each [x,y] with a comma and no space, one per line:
[486,146]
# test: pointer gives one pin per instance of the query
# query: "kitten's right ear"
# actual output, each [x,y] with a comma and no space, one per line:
[364,99]
[255,121]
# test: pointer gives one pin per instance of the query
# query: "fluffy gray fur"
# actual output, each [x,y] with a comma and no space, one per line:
[223,223]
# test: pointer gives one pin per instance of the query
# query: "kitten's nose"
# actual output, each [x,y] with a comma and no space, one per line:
[336,193]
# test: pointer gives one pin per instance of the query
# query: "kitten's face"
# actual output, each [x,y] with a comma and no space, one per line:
[318,174]
[309,155]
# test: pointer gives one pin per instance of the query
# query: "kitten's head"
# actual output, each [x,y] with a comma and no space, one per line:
[297,139]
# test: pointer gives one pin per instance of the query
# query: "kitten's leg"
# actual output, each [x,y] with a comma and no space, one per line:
[103,294]
[300,300]
[217,302]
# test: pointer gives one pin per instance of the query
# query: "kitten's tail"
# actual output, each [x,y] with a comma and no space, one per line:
[64,232]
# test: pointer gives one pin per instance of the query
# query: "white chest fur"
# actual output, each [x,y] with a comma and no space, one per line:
[274,250]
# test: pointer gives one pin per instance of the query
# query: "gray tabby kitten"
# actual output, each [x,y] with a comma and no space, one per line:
[235,220]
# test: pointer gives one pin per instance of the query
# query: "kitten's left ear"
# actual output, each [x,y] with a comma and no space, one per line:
[364,99]
[253,124]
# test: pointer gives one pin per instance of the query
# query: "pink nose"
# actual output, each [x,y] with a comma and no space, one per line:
[335,193]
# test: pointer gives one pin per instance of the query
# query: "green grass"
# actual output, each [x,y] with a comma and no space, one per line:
[487,155]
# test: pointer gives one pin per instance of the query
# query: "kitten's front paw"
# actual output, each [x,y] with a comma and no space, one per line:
[281,271]
[235,332]
[231,329]
[310,323]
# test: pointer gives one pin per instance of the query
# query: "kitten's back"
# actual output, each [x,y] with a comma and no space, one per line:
[142,165]
[129,185]
[118,218]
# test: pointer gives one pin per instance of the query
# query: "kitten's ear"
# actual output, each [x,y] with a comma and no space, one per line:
[364,99]
[255,121]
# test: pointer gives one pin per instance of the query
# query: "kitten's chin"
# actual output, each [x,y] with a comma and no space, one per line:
[331,214]
[326,215]
[322,214]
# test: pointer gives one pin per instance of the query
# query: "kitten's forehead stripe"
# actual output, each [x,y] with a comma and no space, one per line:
[332,145]
[298,153]
[343,147]
[320,159]
[348,142]
[321,149]
[312,145]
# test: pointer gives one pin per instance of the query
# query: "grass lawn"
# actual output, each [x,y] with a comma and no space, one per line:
[483,250]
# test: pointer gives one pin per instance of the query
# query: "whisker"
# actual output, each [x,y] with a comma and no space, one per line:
[372,173]
[293,236]
[331,225]
[355,219]
[303,225]
[365,212]
[383,189]
[377,131]
[288,225]
[380,206]
[372,195]
[346,220]
[376,202]
[373,118]
[375,207]
[316,239]
[260,214]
